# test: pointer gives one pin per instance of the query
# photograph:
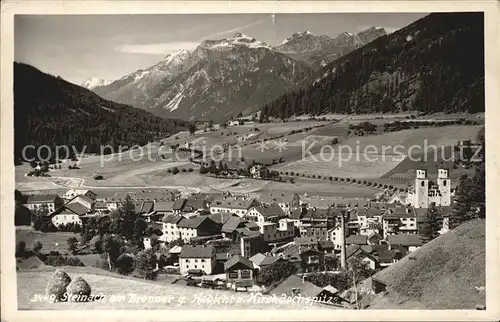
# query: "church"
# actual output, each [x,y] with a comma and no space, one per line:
[426,192]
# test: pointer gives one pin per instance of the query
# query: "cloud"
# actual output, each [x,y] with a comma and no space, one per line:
[156,48]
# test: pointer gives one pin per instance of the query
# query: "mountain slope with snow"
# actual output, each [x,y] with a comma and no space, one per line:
[93,82]
[318,51]
[219,79]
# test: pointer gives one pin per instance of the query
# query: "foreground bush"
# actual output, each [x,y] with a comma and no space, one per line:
[78,290]
[56,287]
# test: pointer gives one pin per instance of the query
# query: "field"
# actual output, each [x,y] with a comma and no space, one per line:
[51,241]
[371,157]
[108,284]
[429,280]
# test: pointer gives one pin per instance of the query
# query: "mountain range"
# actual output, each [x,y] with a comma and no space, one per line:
[51,111]
[223,78]
[422,67]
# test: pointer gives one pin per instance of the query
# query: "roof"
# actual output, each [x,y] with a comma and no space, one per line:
[247,233]
[81,197]
[231,224]
[77,208]
[237,259]
[193,222]
[304,288]
[179,204]
[163,206]
[269,260]
[357,240]
[257,258]
[279,197]
[368,212]
[145,207]
[317,213]
[326,244]
[405,239]
[41,198]
[76,192]
[305,240]
[171,219]
[197,251]
[355,250]
[331,289]
[400,212]
[270,210]
[221,217]
[193,203]
[175,250]
[100,205]
[233,203]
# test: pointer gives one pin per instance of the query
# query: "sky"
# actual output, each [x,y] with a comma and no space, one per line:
[77,47]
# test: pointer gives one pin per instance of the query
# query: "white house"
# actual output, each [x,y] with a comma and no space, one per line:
[287,201]
[45,201]
[272,222]
[235,205]
[170,229]
[197,258]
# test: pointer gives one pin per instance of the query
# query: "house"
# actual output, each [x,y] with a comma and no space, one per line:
[70,213]
[357,240]
[235,205]
[312,260]
[369,220]
[198,258]
[43,201]
[83,200]
[287,201]
[251,241]
[443,216]
[178,205]
[72,193]
[316,222]
[265,213]
[228,230]
[305,242]
[357,251]
[200,226]
[233,123]
[399,220]
[170,228]
[163,207]
[261,261]
[295,286]
[327,247]
[239,272]
[410,242]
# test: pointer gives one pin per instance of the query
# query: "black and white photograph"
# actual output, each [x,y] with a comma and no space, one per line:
[287,160]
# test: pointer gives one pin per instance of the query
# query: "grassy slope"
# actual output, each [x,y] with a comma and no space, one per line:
[107,284]
[51,241]
[444,274]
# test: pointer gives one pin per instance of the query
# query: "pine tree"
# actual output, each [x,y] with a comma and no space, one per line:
[429,228]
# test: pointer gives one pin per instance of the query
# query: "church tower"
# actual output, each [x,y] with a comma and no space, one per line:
[421,189]
[444,184]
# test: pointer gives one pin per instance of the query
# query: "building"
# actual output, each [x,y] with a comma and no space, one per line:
[288,202]
[46,201]
[369,220]
[315,223]
[357,251]
[261,261]
[82,200]
[410,242]
[399,220]
[200,226]
[239,272]
[251,242]
[295,286]
[170,229]
[72,193]
[235,205]
[425,192]
[163,207]
[197,258]
[273,223]
[70,213]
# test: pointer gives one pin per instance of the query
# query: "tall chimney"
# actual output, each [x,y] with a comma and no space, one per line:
[342,242]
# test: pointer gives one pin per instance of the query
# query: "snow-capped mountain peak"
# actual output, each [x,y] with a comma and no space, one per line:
[238,40]
[93,82]
[175,56]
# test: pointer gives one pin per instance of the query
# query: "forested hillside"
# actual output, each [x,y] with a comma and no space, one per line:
[435,64]
[51,111]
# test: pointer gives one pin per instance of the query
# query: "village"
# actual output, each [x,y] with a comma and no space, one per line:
[229,240]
